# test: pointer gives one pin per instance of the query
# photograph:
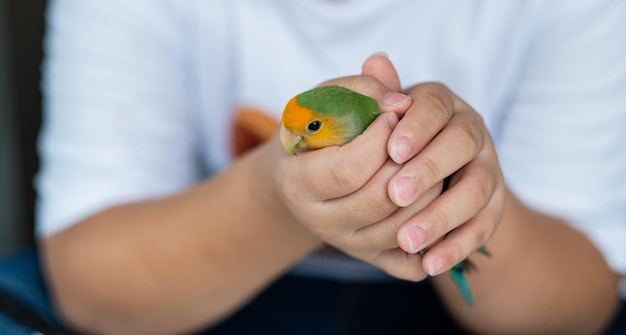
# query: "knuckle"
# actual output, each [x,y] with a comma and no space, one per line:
[377,201]
[467,134]
[345,175]
[440,224]
[479,191]
[431,168]
[438,95]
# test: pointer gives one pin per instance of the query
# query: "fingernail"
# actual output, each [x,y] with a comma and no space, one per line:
[435,266]
[393,120]
[403,191]
[377,54]
[415,238]
[393,99]
[401,149]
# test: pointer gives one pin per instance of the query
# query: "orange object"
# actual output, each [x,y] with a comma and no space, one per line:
[251,127]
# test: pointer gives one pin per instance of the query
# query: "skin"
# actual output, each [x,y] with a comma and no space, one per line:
[531,272]
[186,261]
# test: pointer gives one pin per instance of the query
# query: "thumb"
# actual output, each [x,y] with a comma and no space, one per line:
[380,67]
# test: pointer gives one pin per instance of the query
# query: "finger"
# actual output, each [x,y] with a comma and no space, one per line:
[380,67]
[466,197]
[463,241]
[458,143]
[383,234]
[401,265]
[433,106]
[369,204]
[338,171]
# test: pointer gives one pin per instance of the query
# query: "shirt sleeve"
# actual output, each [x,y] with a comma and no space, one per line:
[117,126]
[563,142]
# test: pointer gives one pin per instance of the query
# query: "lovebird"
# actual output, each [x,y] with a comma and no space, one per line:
[325,116]
[334,115]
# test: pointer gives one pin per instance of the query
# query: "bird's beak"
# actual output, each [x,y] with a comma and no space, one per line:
[290,141]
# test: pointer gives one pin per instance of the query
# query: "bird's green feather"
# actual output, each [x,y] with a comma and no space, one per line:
[341,103]
[460,280]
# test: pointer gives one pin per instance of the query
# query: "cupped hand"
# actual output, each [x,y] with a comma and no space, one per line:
[340,193]
[441,136]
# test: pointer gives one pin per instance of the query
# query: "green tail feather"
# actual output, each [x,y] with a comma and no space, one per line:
[458,276]
[460,280]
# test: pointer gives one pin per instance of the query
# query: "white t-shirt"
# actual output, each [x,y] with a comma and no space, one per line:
[140,96]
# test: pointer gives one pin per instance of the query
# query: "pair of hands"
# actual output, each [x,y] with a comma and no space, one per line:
[378,198]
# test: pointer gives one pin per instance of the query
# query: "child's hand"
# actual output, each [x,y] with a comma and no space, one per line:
[340,193]
[441,136]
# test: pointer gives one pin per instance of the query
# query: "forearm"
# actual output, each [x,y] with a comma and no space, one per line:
[167,265]
[543,277]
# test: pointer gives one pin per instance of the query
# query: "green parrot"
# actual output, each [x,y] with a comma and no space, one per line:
[325,116]
[334,115]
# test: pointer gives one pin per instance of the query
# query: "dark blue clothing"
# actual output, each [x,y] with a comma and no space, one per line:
[292,305]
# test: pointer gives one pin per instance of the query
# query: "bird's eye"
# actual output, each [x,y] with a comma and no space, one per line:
[314,126]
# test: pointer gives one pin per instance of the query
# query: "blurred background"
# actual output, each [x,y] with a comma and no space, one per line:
[21,32]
